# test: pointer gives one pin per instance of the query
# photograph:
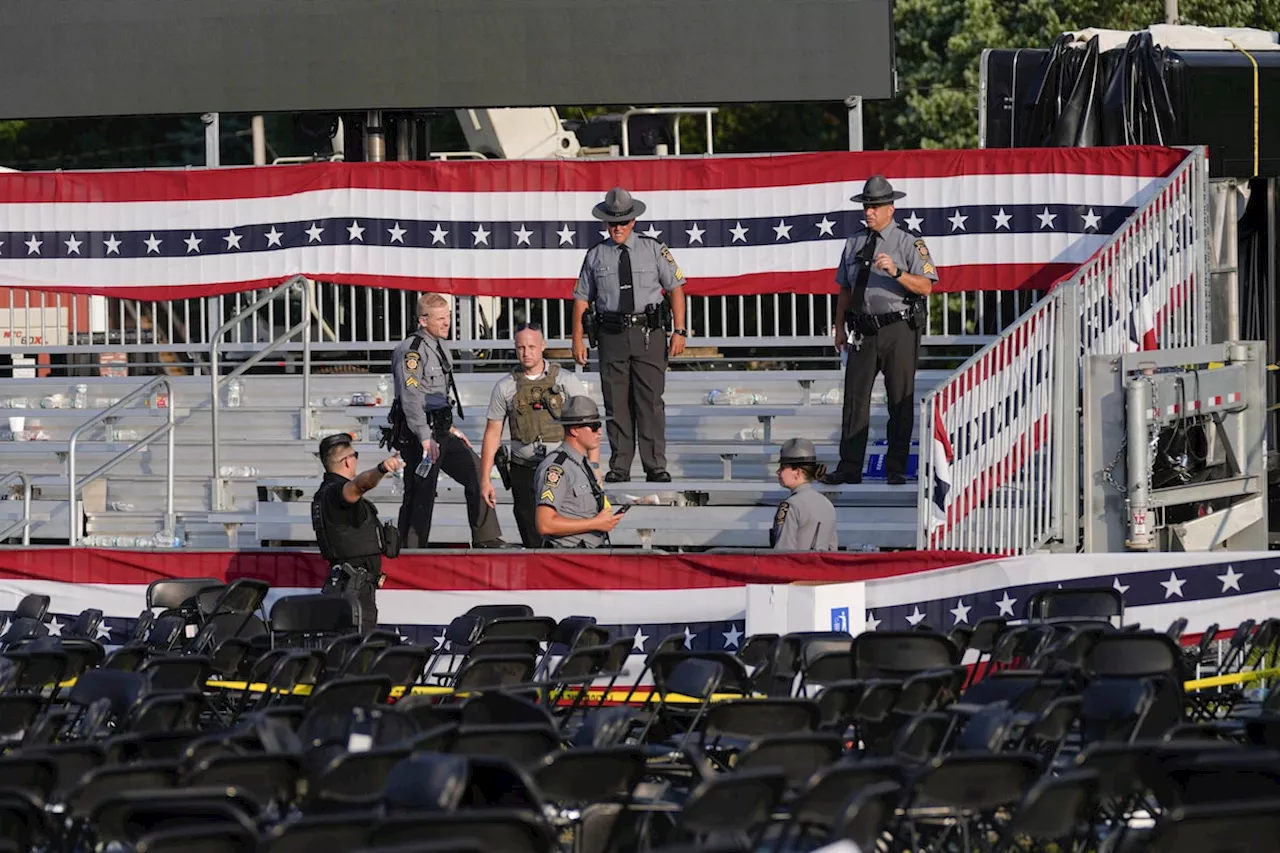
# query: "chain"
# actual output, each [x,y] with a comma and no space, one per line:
[1153,438]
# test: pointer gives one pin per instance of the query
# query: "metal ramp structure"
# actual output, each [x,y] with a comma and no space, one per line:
[1012,440]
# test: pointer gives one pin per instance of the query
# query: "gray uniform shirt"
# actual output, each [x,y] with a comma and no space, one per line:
[568,487]
[504,393]
[884,293]
[653,271]
[806,521]
[422,380]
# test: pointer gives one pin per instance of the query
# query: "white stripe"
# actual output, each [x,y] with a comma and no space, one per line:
[953,192]
[513,263]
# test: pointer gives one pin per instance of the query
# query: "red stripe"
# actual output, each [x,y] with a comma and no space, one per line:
[479,571]
[954,280]
[639,175]
[977,490]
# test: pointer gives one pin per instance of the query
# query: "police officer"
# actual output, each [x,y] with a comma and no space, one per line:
[346,524]
[805,521]
[530,398]
[423,373]
[624,278]
[572,509]
[885,278]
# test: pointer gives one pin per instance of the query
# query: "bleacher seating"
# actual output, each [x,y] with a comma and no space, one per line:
[722,459]
[223,726]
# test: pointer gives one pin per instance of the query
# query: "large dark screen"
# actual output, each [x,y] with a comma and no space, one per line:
[66,58]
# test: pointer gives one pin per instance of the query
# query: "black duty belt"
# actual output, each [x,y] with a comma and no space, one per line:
[870,323]
[612,319]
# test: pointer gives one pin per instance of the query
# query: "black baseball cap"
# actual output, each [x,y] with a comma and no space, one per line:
[331,441]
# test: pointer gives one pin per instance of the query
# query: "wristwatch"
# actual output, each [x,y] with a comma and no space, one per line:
[382,468]
[681,332]
[898,274]
[594,465]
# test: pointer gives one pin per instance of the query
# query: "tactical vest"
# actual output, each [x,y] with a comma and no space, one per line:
[536,406]
[343,543]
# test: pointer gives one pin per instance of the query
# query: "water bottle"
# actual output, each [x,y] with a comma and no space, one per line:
[831,398]
[233,394]
[165,539]
[121,506]
[757,399]
[81,398]
[752,434]
[725,397]
[237,471]
[424,467]
[337,402]
[54,401]
[383,388]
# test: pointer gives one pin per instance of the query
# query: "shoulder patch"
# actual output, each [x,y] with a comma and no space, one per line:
[781,516]
[666,254]
[411,360]
[922,249]
[554,473]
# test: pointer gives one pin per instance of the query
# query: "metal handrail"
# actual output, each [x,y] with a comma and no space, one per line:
[708,112]
[74,485]
[303,325]
[25,521]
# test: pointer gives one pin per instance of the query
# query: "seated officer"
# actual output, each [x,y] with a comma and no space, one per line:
[351,539]
[572,509]
[806,520]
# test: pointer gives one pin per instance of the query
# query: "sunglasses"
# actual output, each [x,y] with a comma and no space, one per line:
[355,454]
[532,327]
[592,427]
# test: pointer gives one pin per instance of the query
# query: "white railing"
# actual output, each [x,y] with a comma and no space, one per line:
[350,320]
[1011,412]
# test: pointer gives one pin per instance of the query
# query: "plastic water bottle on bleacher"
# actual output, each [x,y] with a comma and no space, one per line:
[233,394]
[752,434]
[383,388]
[831,398]
[237,471]
[81,398]
[165,539]
[729,397]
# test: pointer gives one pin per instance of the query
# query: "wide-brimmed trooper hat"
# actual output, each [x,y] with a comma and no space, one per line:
[578,411]
[877,190]
[618,206]
[798,451]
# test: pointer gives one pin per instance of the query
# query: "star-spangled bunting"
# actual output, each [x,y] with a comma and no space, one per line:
[835,225]
[1182,586]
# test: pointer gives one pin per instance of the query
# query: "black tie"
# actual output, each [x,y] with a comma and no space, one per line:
[448,369]
[627,295]
[866,255]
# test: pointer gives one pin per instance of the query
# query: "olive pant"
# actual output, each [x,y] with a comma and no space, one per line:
[633,377]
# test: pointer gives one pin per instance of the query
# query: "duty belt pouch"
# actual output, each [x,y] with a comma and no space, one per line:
[917,314]
[440,421]
[390,541]
[653,317]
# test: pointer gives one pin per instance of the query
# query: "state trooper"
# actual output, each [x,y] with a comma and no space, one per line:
[885,277]
[573,511]
[622,284]
[352,540]
[422,427]
[529,398]
[806,520]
